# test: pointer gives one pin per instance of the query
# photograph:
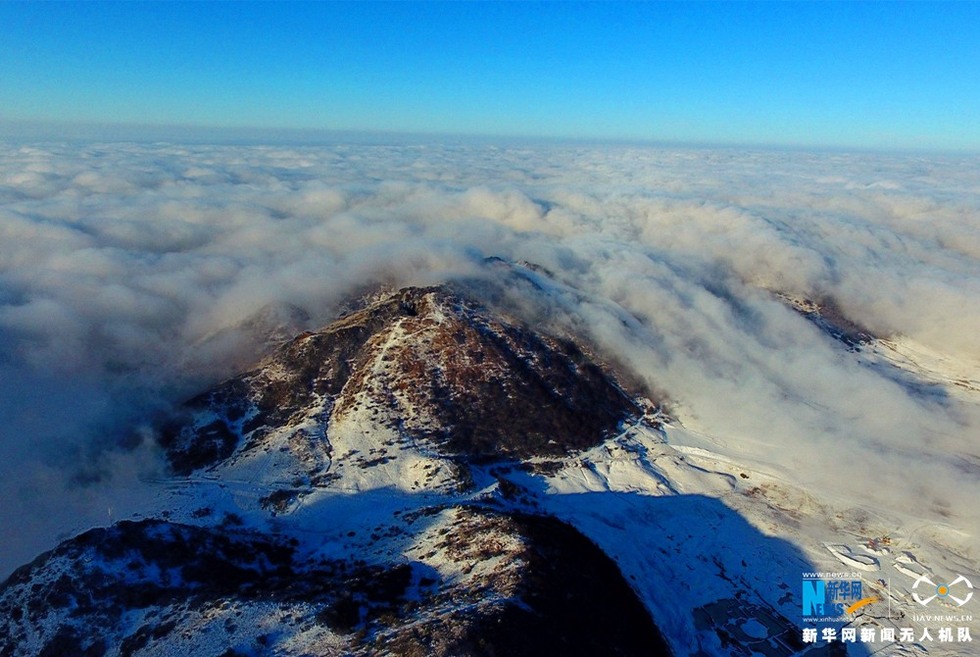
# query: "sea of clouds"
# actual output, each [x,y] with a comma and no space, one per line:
[127,272]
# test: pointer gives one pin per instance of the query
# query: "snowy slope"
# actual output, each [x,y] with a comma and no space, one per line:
[408,473]
[333,501]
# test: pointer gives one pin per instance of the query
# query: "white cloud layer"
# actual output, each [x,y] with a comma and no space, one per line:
[120,264]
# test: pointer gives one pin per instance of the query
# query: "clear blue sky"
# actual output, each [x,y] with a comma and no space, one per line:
[889,74]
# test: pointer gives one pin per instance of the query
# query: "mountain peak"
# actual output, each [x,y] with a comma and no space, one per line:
[437,368]
[357,501]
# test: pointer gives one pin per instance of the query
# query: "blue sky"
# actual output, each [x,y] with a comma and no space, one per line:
[892,75]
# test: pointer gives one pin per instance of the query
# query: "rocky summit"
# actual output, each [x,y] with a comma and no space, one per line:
[364,490]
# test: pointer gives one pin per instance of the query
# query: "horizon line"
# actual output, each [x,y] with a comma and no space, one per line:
[47,130]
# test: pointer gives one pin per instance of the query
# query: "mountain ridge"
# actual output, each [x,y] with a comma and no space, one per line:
[422,391]
[426,476]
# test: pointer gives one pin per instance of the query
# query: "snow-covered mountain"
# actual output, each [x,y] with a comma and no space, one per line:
[430,476]
[397,416]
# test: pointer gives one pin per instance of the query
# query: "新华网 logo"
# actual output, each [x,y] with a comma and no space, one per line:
[833,597]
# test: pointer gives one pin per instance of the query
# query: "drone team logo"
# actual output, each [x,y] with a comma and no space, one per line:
[944,591]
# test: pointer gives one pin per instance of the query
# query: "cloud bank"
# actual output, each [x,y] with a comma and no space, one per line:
[127,274]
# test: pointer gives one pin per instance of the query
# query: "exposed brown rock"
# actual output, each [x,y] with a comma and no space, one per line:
[451,373]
